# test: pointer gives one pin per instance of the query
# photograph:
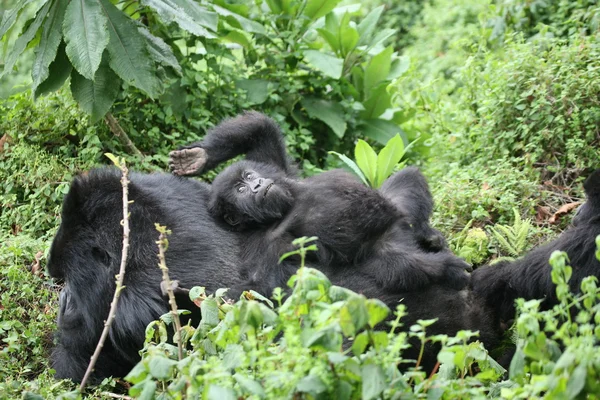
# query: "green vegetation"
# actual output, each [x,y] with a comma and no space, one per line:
[498,98]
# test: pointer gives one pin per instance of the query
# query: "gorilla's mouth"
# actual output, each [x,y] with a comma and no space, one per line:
[268,188]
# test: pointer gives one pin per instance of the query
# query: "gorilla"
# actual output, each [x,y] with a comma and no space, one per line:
[203,251]
[529,277]
[86,253]
[355,225]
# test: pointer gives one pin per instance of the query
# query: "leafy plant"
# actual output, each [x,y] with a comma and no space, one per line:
[512,240]
[557,350]
[471,244]
[372,168]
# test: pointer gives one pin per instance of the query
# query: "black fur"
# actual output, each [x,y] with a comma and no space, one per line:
[356,225]
[529,277]
[86,253]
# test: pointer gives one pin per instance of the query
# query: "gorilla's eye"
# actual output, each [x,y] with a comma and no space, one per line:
[230,220]
[248,175]
[241,189]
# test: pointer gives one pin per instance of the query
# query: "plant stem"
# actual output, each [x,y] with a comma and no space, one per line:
[120,277]
[116,129]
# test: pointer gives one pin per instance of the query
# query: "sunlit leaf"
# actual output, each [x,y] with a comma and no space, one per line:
[316,9]
[366,158]
[388,158]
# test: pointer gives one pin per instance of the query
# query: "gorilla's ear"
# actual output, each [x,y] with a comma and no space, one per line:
[76,196]
[592,186]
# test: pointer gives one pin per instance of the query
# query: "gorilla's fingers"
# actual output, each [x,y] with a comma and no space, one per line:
[187,161]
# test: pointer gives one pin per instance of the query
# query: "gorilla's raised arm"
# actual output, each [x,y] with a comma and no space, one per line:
[252,133]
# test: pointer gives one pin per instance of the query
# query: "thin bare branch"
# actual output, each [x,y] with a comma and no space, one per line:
[116,129]
[168,285]
[119,277]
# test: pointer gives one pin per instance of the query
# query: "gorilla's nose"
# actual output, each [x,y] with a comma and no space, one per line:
[256,184]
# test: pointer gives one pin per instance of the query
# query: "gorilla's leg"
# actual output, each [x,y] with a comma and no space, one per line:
[409,192]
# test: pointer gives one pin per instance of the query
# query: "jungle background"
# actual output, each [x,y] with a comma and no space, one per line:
[500,100]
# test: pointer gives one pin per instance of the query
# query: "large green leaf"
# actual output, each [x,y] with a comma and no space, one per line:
[373,381]
[329,112]
[388,158]
[190,16]
[49,41]
[329,65]
[399,66]
[366,158]
[85,33]
[352,166]
[160,51]
[367,26]
[58,72]
[315,9]
[10,16]
[257,89]
[378,101]
[97,96]
[331,39]
[129,56]
[246,24]
[348,35]
[23,40]
[377,69]
[381,130]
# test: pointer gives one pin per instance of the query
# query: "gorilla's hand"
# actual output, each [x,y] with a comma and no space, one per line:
[456,274]
[187,162]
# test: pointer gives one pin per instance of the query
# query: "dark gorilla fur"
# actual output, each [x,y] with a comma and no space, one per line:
[86,254]
[529,277]
[356,225]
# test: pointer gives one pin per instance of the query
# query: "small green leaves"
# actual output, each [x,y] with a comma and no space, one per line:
[374,169]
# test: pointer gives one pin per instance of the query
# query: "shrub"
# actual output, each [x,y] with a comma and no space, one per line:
[536,102]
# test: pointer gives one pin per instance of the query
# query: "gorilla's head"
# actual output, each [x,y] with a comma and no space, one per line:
[589,212]
[250,193]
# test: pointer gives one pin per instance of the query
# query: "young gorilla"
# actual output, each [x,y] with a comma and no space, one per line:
[529,277]
[356,225]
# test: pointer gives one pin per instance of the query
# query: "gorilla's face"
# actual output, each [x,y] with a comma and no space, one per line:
[249,193]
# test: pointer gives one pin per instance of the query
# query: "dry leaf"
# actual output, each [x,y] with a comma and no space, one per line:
[35,267]
[564,209]
[543,212]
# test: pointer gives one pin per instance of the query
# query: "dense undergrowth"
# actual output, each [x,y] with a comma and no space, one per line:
[502,100]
